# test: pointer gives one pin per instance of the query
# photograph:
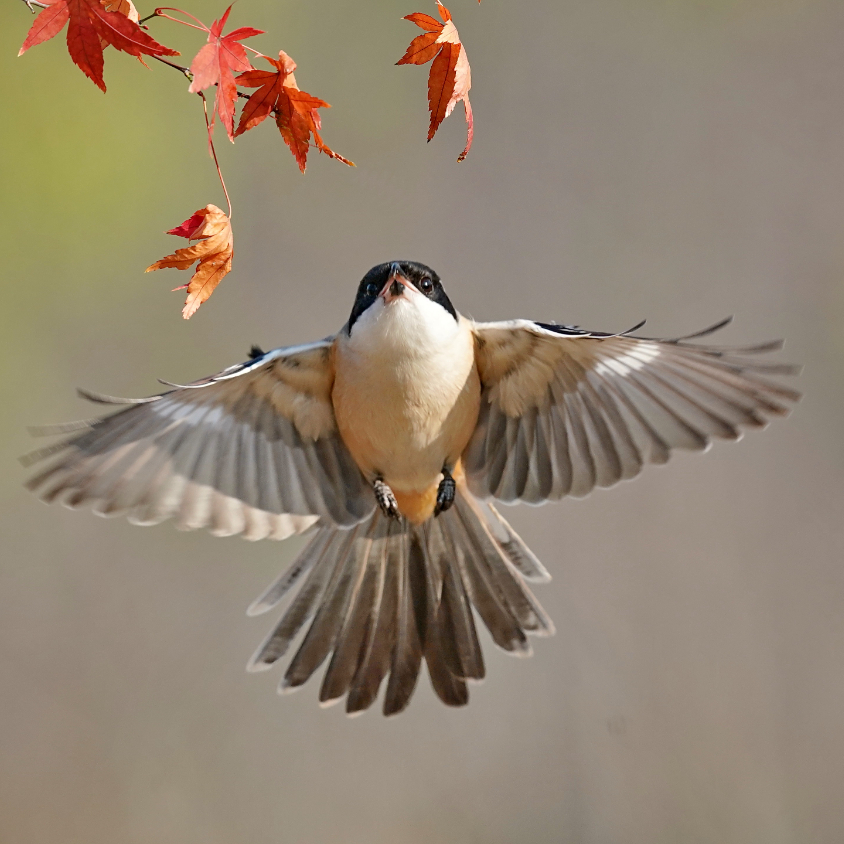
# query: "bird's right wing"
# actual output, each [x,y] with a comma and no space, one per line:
[251,450]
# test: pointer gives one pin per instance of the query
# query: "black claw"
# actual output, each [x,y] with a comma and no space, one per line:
[386,500]
[445,493]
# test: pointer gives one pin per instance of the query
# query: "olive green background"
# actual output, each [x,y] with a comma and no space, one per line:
[672,159]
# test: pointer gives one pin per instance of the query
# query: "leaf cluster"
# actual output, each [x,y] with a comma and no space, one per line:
[224,64]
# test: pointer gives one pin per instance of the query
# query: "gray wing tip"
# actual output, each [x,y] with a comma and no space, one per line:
[33,457]
[100,398]
[60,428]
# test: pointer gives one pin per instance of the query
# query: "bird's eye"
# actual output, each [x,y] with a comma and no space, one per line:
[372,288]
[426,285]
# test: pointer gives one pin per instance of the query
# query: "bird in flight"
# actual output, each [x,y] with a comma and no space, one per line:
[390,442]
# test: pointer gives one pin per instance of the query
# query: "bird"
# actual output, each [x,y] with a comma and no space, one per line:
[391,443]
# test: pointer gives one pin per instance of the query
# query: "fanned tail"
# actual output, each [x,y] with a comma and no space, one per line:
[386,595]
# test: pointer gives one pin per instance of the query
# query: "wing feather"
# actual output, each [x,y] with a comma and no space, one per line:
[252,450]
[565,410]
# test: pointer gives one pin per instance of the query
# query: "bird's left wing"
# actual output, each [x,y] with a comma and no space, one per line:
[251,450]
[565,410]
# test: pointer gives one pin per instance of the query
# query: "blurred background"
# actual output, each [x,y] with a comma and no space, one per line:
[679,161]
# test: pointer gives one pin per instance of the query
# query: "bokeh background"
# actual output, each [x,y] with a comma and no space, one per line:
[672,159]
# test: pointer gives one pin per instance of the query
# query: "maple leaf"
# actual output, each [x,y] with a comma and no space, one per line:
[216,63]
[91,26]
[124,7]
[450,78]
[295,111]
[212,230]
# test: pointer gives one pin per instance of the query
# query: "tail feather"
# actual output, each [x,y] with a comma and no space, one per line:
[328,621]
[513,546]
[407,652]
[385,595]
[460,623]
[502,574]
[440,642]
[275,593]
[502,624]
[351,638]
[303,607]
[380,634]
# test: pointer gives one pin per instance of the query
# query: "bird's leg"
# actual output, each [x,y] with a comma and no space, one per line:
[385,498]
[445,493]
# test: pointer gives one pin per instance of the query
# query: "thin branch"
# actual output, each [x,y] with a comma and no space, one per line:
[30,4]
[184,70]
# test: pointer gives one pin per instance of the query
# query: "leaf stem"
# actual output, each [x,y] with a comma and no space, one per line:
[214,152]
[161,9]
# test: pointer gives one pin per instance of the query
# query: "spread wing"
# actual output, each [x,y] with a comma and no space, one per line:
[252,450]
[564,410]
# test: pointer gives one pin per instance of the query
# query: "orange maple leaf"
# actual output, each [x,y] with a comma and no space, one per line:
[214,249]
[295,111]
[216,63]
[91,26]
[450,78]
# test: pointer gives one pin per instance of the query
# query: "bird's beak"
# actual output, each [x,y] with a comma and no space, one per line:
[396,283]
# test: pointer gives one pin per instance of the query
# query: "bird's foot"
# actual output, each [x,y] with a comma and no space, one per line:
[445,493]
[386,500]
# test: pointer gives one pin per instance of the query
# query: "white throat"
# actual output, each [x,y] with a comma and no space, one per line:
[411,326]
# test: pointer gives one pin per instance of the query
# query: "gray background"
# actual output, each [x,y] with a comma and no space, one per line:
[672,159]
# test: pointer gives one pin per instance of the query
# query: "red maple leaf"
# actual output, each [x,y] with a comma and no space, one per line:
[216,63]
[90,27]
[450,78]
[295,111]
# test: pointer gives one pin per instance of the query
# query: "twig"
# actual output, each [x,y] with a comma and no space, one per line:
[184,70]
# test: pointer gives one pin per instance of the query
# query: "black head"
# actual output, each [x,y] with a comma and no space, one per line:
[422,278]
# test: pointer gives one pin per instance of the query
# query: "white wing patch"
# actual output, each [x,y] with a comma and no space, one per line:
[625,363]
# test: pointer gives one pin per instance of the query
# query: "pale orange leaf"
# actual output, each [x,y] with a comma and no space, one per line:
[213,251]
